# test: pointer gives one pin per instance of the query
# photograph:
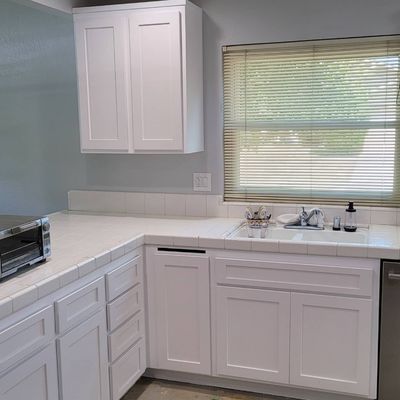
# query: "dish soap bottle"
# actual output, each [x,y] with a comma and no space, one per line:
[350,222]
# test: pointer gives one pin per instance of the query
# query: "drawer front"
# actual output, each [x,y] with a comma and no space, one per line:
[126,336]
[127,370]
[123,278]
[293,276]
[26,336]
[123,308]
[79,305]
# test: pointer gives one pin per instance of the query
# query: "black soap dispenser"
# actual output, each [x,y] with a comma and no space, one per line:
[350,222]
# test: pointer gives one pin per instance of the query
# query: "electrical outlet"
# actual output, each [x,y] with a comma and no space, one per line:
[201,182]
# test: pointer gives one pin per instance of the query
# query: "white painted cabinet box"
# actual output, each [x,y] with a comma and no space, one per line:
[81,359]
[313,330]
[140,77]
[305,325]
[305,322]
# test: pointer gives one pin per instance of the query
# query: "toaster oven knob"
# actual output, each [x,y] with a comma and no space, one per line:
[46,227]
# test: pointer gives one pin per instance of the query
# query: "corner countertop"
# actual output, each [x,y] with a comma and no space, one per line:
[82,242]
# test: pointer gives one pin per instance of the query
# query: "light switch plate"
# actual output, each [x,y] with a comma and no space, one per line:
[201,182]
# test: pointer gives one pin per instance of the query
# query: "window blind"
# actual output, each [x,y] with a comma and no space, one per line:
[313,122]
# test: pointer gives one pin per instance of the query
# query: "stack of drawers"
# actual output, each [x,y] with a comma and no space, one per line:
[126,326]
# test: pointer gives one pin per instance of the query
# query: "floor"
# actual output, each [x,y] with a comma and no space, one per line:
[150,389]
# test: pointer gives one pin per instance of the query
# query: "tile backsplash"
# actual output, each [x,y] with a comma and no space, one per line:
[194,205]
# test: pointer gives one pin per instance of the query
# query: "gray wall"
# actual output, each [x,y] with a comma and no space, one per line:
[39,137]
[234,22]
[39,142]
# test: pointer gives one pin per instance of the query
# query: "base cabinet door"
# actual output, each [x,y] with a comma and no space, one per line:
[183,313]
[83,361]
[331,343]
[252,334]
[34,379]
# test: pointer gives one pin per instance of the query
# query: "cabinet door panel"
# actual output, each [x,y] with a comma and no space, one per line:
[127,370]
[331,343]
[101,47]
[252,328]
[183,313]
[84,362]
[34,379]
[156,63]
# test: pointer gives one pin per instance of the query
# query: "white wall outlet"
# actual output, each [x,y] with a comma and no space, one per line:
[201,182]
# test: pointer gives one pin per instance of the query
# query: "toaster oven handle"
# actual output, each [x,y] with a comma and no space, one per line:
[26,227]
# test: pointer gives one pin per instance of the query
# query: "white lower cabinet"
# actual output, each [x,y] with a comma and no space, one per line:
[83,361]
[126,325]
[331,343]
[301,322]
[182,290]
[252,334]
[309,322]
[34,379]
[329,338]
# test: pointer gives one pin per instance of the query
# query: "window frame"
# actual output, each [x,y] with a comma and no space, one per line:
[260,195]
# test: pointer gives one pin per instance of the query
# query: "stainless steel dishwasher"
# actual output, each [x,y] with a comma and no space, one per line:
[389,341]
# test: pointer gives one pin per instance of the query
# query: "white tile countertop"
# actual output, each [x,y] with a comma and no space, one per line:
[82,242]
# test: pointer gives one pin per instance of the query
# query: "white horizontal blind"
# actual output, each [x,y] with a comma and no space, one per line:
[313,121]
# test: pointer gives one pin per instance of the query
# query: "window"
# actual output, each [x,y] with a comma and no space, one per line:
[313,122]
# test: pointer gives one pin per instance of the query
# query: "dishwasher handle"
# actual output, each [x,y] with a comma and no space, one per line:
[393,276]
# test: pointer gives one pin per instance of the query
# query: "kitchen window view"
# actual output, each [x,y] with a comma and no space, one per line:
[314,121]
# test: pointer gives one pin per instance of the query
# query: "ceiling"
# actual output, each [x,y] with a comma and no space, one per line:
[65,6]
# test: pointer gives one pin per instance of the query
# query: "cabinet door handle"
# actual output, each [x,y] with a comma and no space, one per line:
[393,276]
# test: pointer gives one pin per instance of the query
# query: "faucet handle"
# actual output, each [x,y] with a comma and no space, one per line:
[320,219]
[249,213]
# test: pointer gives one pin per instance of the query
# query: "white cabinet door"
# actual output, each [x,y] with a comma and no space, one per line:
[252,334]
[34,379]
[156,62]
[102,45]
[83,361]
[331,343]
[183,313]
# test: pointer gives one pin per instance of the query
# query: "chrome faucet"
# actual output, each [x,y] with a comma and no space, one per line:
[303,217]
[314,219]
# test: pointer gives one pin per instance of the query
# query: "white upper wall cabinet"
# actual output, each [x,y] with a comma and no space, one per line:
[103,83]
[140,78]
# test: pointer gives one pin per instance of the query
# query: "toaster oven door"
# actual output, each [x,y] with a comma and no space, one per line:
[19,250]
